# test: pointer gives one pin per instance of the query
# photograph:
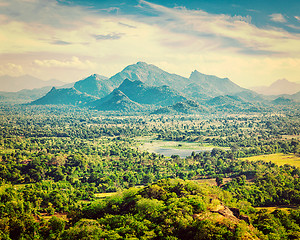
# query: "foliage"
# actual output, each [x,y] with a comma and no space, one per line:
[54,159]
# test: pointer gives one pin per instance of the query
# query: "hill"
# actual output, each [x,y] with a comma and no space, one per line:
[116,101]
[169,209]
[23,96]
[69,96]
[249,96]
[95,85]
[232,103]
[281,86]
[186,107]
[150,75]
[144,94]
[203,86]
[283,101]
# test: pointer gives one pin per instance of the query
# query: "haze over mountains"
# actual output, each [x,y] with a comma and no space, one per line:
[15,84]
[142,86]
[281,86]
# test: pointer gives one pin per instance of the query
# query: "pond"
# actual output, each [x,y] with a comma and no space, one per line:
[169,148]
[180,152]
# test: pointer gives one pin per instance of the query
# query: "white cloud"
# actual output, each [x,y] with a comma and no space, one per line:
[277,17]
[74,62]
[221,32]
[76,40]
[45,12]
[11,69]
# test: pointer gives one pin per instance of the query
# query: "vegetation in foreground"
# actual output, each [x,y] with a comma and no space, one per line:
[168,209]
[54,163]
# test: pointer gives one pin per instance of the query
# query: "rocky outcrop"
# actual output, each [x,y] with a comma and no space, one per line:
[231,213]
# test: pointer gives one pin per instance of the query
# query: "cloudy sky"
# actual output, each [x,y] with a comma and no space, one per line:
[251,42]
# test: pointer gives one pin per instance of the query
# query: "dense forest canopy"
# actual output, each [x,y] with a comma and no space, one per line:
[56,161]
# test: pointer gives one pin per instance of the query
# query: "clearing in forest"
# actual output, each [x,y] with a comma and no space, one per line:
[277,158]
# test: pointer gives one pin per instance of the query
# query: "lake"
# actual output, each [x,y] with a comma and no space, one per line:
[169,148]
[180,152]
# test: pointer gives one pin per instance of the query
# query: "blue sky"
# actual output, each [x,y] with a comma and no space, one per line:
[260,11]
[251,42]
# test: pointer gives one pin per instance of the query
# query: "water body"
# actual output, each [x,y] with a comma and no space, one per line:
[180,152]
[169,148]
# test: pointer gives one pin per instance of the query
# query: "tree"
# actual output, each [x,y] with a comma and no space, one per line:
[219,180]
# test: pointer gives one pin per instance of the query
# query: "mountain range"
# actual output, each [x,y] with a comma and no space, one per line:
[145,87]
[281,86]
[15,84]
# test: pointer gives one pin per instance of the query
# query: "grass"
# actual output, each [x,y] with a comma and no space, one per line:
[150,144]
[104,195]
[283,208]
[277,158]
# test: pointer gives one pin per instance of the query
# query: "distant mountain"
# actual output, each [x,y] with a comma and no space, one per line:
[24,95]
[282,101]
[250,96]
[95,85]
[296,96]
[64,96]
[116,101]
[232,103]
[150,75]
[145,86]
[203,86]
[224,100]
[14,84]
[144,94]
[186,107]
[281,86]
[197,86]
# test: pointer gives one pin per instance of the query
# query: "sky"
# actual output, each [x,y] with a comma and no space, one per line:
[251,42]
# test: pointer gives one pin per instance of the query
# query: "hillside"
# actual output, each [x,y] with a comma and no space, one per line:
[95,85]
[169,209]
[116,101]
[186,107]
[64,96]
[283,101]
[203,86]
[144,94]
[150,75]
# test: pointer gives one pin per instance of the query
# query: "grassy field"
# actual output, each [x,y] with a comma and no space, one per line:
[104,195]
[278,158]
